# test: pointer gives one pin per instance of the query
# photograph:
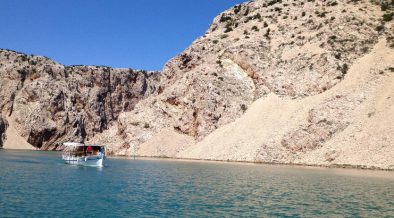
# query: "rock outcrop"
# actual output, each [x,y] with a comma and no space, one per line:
[350,124]
[51,103]
[293,50]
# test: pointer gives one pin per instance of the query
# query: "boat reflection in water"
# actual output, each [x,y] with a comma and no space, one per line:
[85,155]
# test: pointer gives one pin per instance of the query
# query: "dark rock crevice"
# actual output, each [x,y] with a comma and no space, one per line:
[3,128]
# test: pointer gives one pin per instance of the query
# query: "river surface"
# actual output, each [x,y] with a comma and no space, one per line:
[38,184]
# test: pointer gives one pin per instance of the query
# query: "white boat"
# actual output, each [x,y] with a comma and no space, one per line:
[85,155]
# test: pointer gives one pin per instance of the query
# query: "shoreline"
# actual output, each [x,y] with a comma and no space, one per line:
[349,170]
[297,165]
[320,166]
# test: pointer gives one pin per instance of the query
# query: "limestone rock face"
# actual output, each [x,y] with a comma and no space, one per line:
[51,103]
[291,49]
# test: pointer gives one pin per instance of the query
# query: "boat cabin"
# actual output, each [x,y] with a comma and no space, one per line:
[82,150]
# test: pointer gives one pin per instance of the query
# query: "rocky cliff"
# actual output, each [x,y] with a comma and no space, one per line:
[49,103]
[304,82]
[288,49]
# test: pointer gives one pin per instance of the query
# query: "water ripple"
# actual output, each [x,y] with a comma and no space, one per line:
[37,184]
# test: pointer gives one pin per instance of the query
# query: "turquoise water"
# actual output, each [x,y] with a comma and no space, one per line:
[38,184]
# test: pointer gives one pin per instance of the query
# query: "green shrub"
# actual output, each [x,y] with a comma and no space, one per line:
[380,28]
[215,41]
[272,2]
[32,62]
[255,28]
[344,68]
[223,36]
[224,18]
[333,37]
[388,17]
[257,16]
[237,9]
[267,33]
[248,19]
[23,73]
[321,14]
[244,107]
[219,62]
[246,12]
[384,6]
[228,29]
[23,58]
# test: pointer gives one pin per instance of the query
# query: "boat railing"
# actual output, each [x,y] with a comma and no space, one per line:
[81,153]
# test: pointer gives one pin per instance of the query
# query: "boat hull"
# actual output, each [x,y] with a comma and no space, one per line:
[93,161]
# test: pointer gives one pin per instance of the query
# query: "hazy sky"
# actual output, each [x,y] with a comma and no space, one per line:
[140,34]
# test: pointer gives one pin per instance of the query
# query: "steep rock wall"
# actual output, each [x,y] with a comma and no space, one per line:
[291,49]
[51,103]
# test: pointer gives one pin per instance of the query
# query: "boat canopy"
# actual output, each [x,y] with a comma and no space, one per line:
[76,144]
[73,144]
